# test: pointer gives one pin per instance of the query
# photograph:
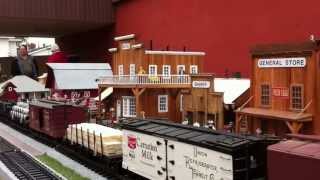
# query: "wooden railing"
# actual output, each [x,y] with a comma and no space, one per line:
[146,79]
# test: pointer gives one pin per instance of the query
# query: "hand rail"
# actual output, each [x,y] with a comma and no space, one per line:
[145,79]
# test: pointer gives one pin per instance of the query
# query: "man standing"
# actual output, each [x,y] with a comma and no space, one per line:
[24,64]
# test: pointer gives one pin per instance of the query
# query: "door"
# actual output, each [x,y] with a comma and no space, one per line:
[118,109]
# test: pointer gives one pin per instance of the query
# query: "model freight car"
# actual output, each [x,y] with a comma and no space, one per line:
[97,138]
[162,150]
[52,118]
[5,108]
[295,159]
[20,113]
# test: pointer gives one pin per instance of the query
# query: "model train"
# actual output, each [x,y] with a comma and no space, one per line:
[151,149]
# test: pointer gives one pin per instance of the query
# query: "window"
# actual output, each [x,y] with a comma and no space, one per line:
[296,97]
[129,106]
[265,95]
[181,69]
[132,69]
[166,70]
[193,69]
[120,70]
[163,103]
[153,70]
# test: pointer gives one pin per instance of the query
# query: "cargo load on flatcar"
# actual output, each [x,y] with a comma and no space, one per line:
[100,139]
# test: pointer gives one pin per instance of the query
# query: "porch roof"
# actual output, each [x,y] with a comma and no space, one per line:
[276,114]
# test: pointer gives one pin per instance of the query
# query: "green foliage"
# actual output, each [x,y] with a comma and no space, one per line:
[58,167]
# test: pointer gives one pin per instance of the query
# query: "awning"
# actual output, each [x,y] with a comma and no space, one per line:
[105,94]
[276,115]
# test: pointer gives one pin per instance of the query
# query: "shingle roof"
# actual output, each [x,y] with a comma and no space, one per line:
[24,84]
[72,76]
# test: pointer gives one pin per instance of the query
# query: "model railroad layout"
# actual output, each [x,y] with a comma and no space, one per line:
[22,165]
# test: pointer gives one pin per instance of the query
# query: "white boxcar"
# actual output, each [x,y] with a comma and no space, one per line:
[186,161]
[144,155]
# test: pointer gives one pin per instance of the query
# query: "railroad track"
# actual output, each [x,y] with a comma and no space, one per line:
[25,167]
[108,168]
[22,165]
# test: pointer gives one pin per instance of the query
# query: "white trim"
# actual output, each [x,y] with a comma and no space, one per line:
[156,69]
[184,69]
[111,50]
[137,46]
[196,68]
[176,53]
[126,37]
[120,70]
[166,105]
[126,104]
[132,67]
[169,70]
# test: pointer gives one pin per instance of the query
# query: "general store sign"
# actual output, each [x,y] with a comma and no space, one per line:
[201,84]
[282,92]
[282,62]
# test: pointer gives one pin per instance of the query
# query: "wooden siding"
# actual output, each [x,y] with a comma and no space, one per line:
[307,76]
[79,10]
[139,58]
[53,17]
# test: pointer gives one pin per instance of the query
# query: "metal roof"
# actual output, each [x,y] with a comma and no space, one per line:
[71,76]
[24,84]
[231,88]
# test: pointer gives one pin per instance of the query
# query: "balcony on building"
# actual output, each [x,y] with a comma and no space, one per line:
[146,81]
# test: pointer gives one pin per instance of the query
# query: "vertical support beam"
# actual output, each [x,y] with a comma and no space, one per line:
[238,121]
[206,107]
[98,117]
[137,93]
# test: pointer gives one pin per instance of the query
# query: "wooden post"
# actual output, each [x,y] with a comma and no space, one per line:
[88,139]
[137,93]
[294,127]
[81,137]
[94,142]
[98,117]
[206,107]
[77,134]
[101,144]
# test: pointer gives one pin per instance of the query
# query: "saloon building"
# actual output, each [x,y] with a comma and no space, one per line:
[157,84]
[285,90]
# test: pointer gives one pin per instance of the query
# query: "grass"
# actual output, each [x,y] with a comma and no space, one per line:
[58,167]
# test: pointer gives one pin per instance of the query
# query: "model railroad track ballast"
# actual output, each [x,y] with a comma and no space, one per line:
[22,165]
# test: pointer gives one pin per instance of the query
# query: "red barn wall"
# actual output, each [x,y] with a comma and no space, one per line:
[225,30]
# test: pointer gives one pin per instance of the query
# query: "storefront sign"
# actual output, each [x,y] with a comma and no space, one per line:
[201,84]
[282,62]
[282,92]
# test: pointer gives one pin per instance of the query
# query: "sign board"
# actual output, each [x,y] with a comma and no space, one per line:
[144,155]
[282,92]
[201,84]
[187,161]
[125,46]
[294,62]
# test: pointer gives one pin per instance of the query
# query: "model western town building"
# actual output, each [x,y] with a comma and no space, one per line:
[155,84]
[285,90]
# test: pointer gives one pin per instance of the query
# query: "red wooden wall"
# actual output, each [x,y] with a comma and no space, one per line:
[224,29]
